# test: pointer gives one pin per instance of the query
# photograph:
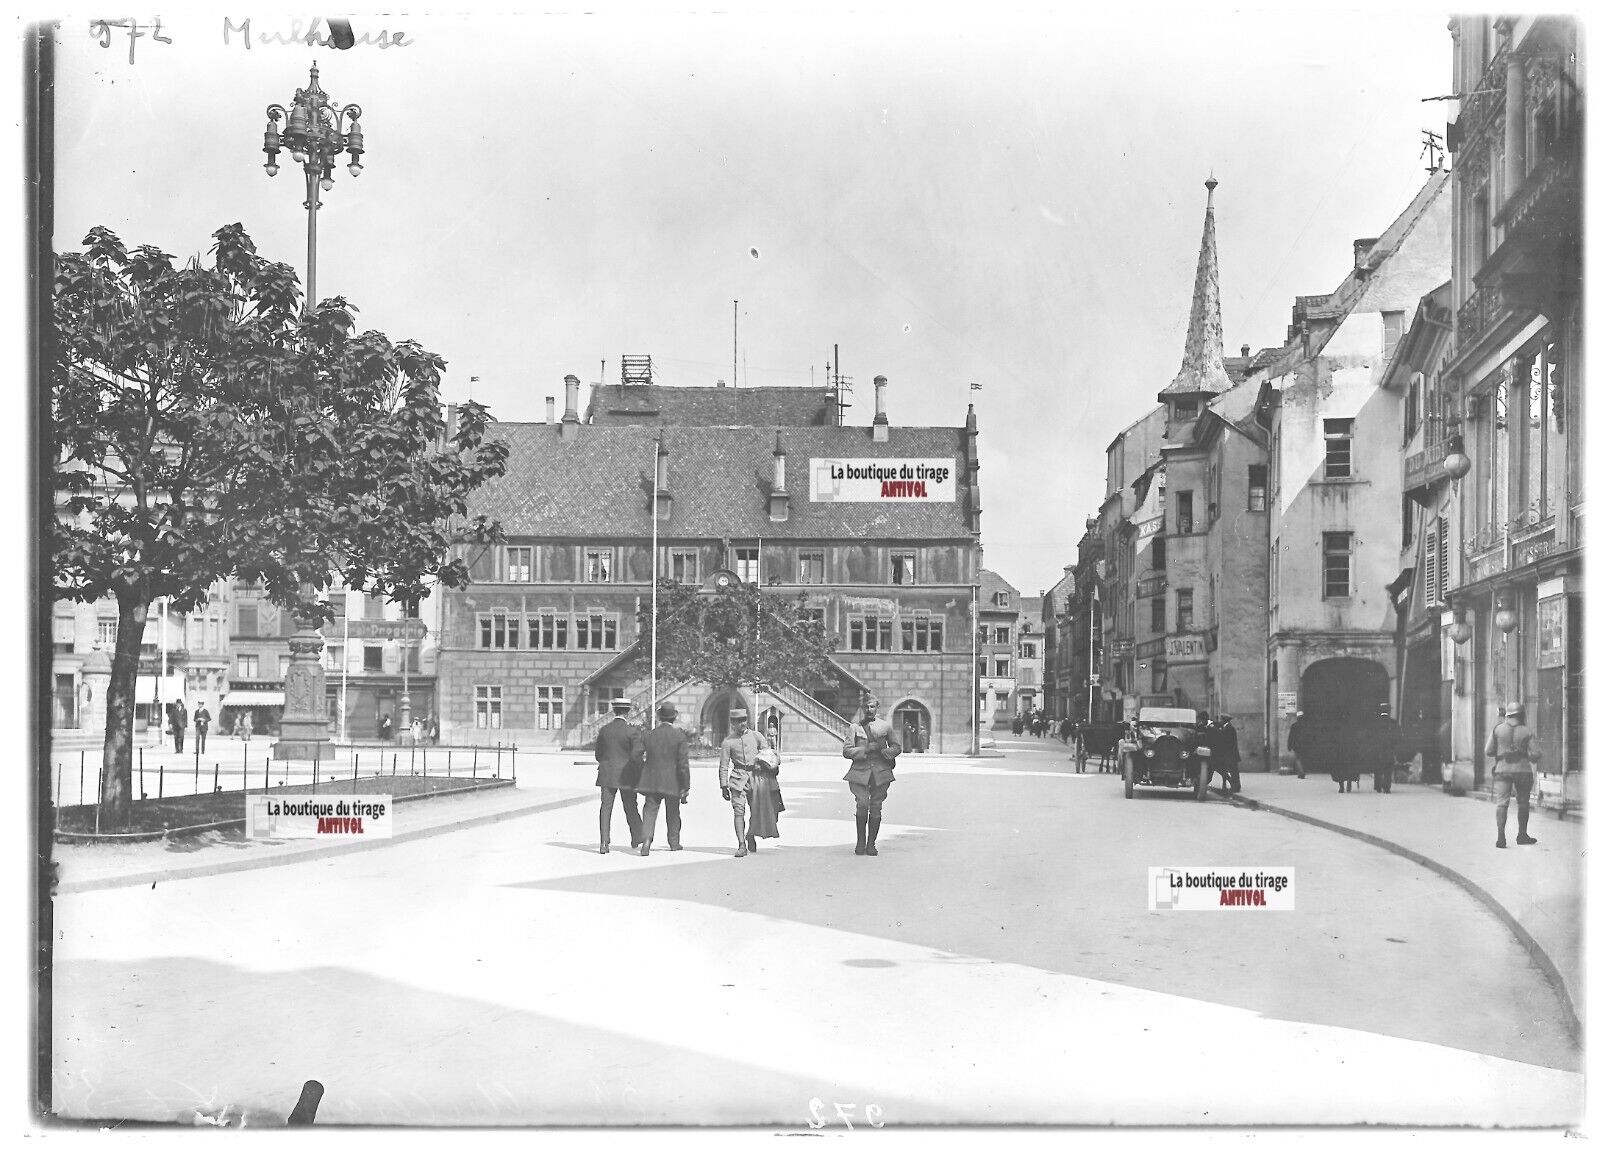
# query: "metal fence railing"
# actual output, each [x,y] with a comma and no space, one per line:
[159,773]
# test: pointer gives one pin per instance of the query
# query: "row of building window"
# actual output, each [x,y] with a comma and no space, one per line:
[549,702]
[919,633]
[683,565]
[598,632]
[547,629]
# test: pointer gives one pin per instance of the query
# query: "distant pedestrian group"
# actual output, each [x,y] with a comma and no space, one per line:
[655,765]
[1345,748]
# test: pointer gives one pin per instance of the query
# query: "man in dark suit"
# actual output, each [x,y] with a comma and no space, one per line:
[180,721]
[665,777]
[1224,742]
[619,750]
[202,725]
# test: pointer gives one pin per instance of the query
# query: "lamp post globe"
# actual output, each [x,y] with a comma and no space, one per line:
[317,132]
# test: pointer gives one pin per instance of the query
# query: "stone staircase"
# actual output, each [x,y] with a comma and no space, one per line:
[583,736]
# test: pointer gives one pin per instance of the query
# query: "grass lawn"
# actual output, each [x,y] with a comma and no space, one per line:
[215,807]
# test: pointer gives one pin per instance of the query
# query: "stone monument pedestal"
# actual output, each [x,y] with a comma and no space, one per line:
[303,731]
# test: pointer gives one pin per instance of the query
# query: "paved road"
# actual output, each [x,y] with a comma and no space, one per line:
[995,964]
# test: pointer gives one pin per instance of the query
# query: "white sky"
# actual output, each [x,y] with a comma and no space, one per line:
[1014,200]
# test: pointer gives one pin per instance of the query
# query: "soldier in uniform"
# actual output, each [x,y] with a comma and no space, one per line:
[619,750]
[665,777]
[736,772]
[1514,750]
[872,750]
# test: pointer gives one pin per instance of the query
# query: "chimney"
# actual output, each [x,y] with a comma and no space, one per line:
[663,499]
[880,420]
[569,418]
[722,383]
[778,498]
[1363,248]
[1244,351]
[549,409]
[830,415]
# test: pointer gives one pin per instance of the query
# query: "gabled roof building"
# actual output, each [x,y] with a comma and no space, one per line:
[535,647]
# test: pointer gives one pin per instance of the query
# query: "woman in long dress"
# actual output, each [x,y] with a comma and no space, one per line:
[766,801]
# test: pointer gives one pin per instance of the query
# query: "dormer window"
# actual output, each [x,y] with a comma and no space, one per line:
[1185,410]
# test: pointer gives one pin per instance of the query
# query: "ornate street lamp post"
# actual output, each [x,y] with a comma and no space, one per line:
[317,132]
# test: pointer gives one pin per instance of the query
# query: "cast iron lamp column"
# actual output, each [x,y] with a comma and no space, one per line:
[317,132]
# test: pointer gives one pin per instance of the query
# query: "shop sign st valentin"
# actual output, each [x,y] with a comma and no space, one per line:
[1186,649]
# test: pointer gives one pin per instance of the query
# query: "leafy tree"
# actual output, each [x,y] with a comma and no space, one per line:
[739,635]
[203,427]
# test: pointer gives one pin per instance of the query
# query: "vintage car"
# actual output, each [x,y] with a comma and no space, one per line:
[1164,748]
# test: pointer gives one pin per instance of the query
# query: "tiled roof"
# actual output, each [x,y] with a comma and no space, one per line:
[991,582]
[595,482]
[1202,369]
[656,404]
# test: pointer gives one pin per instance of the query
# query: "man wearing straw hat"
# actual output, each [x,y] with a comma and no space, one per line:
[619,750]
[665,778]
[1514,750]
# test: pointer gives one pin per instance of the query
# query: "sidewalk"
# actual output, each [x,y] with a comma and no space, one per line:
[1536,889]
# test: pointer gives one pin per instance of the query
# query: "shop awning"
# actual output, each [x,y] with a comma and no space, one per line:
[144,689]
[248,697]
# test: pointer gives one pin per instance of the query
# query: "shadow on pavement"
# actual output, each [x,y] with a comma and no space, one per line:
[1057,881]
[249,1039]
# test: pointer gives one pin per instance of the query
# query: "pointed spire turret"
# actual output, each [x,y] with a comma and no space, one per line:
[1202,370]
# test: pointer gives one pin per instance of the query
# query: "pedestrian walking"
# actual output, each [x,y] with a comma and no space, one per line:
[766,800]
[1514,750]
[385,729]
[416,731]
[1384,741]
[244,726]
[1224,739]
[433,729]
[1296,743]
[871,750]
[735,773]
[180,721]
[202,725]
[665,778]
[619,751]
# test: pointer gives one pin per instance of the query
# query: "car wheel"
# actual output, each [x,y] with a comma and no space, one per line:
[1201,779]
[1127,778]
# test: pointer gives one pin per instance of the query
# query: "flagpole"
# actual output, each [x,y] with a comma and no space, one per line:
[655,575]
[344,670]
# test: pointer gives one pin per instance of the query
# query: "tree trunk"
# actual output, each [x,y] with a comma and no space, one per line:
[116,761]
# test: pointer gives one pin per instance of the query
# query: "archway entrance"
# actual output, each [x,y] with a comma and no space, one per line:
[714,714]
[913,726]
[1340,698]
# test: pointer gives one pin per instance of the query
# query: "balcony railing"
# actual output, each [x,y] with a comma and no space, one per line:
[1477,110]
[1478,314]
[1491,536]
